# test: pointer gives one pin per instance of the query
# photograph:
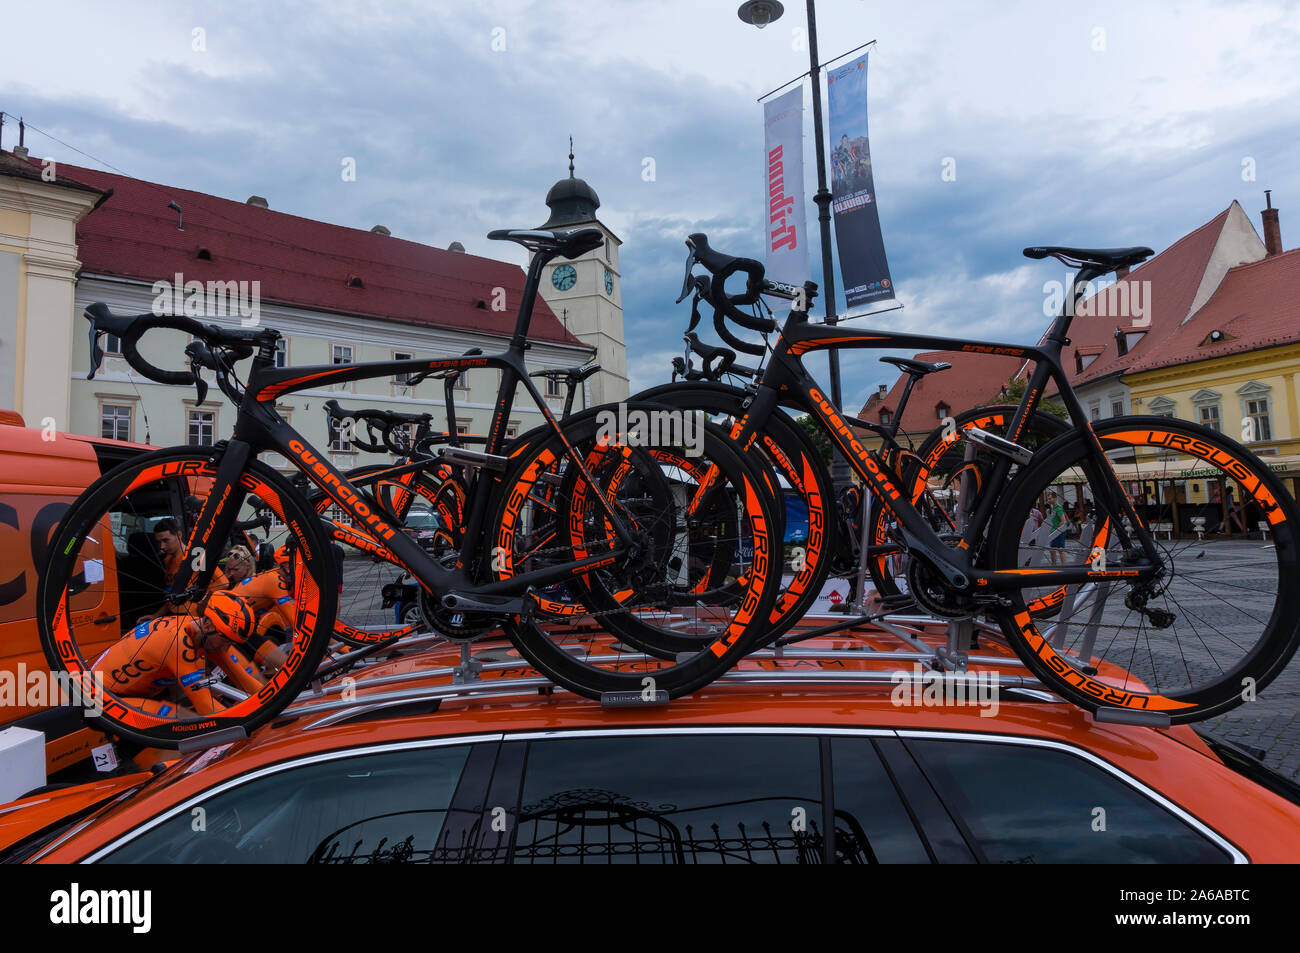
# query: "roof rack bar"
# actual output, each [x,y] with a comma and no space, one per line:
[516,687]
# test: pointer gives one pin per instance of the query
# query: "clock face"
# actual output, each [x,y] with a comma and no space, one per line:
[609,282]
[564,277]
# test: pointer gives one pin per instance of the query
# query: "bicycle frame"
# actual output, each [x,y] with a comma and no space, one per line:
[260,429]
[787,381]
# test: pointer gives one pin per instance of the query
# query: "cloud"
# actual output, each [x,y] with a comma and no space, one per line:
[1054,139]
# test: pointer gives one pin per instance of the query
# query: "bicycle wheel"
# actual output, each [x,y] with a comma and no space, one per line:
[805,492]
[104,578]
[423,506]
[1216,626]
[934,472]
[634,598]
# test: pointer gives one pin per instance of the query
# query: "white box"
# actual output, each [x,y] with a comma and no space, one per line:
[22,762]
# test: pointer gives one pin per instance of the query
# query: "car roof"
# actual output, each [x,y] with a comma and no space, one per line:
[823,685]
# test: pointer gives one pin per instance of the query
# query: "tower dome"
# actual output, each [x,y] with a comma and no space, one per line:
[571,201]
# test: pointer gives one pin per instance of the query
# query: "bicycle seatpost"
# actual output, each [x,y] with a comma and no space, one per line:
[1061,326]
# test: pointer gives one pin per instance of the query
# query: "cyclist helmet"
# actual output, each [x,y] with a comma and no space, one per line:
[231,615]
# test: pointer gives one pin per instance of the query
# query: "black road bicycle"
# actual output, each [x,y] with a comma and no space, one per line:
[638,531]
[1119,622]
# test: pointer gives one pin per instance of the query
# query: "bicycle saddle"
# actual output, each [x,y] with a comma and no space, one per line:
[1108,258]
[576,374]
[919,368]
[570,242]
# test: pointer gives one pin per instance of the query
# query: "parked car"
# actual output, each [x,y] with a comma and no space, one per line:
[810,757]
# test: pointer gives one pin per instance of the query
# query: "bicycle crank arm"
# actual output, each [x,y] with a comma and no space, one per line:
[491,605]
[462,456]
[999,445]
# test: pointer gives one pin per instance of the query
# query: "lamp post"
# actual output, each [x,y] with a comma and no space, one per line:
[760,13]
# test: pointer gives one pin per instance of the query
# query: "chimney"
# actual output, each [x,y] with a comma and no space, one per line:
[1272,230]
[456,246]
[20,150]
[881,391]
[257,200]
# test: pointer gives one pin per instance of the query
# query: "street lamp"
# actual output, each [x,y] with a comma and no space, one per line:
[760,13]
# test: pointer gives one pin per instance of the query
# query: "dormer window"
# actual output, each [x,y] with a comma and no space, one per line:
[884,416]
[941,410]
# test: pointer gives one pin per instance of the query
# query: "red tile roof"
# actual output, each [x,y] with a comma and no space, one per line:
[1174,275]
[32,170]
[299,261]
[973,380]
[1256,305]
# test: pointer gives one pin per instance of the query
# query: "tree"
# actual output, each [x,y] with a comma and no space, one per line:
[818,437]
[1013,392]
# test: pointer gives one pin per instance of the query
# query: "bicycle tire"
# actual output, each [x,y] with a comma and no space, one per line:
[932,456]
[793,455]
[1262,661]
[317,576]
[684,673]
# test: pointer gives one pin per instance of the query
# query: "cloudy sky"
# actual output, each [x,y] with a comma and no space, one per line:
[1125,123]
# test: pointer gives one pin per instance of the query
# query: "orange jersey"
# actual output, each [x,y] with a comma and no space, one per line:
[156,655]
[160,653]
[262,591]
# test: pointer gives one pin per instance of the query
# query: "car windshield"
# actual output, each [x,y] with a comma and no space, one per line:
[421,519]
[1247,763]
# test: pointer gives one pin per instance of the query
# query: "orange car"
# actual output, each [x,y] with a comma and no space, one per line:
[836,750]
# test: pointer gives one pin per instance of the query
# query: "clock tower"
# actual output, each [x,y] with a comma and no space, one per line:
[586,292]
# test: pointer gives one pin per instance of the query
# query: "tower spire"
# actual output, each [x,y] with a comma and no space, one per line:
[570,156]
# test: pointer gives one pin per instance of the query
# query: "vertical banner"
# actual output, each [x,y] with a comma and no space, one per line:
[787,222]
[863,267]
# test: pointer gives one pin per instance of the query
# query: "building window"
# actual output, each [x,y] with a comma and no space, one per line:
[1094,412]
[115,422]
[512,430]
[282,353]
[202,424]
[403,377]
[553,387]
[112,344]
[884,416]
[462,426]
[1117,408]
[1257,414]
[941,411]
[1162,407]
[1210,417]
[462,379]
[339,442]
[341,354]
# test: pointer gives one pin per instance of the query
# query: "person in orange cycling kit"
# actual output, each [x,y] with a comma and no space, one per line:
[159,653]
[269,596]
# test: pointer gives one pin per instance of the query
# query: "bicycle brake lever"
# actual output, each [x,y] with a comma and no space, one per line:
[96,352]
[200,385]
